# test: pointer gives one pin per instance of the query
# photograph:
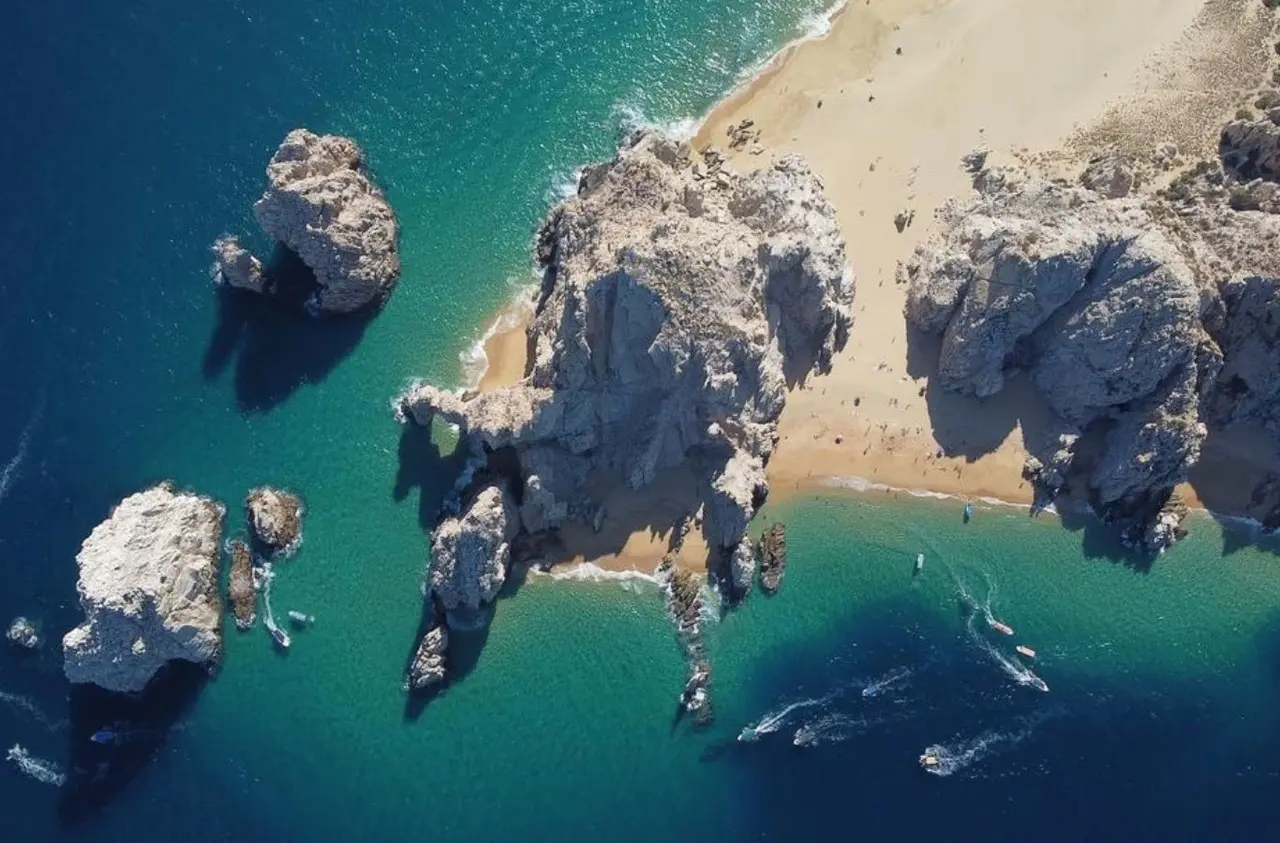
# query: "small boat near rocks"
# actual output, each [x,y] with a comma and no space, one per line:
[928,760]
[919,562]
[1024,650]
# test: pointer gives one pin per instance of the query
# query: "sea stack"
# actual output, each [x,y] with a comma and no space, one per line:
[148,586]
[679,300]
[773,557]
[275,516]
[242,590]
[322,204]
[23,634]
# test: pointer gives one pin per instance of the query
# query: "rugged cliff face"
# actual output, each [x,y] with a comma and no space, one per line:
[678,301]
[1141,319]
[148,587]
[321,203]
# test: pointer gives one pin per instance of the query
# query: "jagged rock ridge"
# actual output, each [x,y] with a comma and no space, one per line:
[321,203]
[148,586]
[677,304]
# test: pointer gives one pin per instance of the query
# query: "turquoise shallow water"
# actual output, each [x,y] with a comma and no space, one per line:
[135,135]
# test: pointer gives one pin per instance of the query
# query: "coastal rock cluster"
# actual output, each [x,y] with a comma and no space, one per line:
[679,301]
[242,589]
[685,606]
[1141,319]
[275,516]
[773,557]
[148,586]
[322,204]
[22,633]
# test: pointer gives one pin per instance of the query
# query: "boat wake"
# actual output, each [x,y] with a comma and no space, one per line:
[13,468]
[775,720]
[893,679]
[831,728]
[40,769]
[961,753]
[1012,668]
[26,706]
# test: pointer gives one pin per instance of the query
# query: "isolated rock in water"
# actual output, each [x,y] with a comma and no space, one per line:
[773,557]
[242,590]
[236,266]
[470,552]
[148,587]
[22,633]
[674,311]
[275,516]
[322,204]
[1094,301]
[429,665]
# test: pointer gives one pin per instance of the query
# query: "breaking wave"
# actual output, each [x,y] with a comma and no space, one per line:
[631,118]
[519,307]
[40,769]
[591,572]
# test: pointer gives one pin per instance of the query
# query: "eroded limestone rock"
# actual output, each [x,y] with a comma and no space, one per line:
[322,204]
[275,516]
[148,586]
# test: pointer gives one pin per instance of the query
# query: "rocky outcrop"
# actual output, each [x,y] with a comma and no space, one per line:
[242,589]
[275,516]
[322,204]
[148,586]
[1140,319]
[1250,149]
[22,633]
[773,557]
[678,302]
[470,553]
[428,668]
[684,607]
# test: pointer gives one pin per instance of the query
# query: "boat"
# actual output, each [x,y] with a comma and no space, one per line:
[281,637]
[1024,650]
[301,618]
[968,511]
[919,562]
[1033,681]
[927,760]
[107,735]
[1000,626]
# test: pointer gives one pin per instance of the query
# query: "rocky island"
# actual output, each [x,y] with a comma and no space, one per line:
[148,586]
[322,204]
[275,517]
[679,301]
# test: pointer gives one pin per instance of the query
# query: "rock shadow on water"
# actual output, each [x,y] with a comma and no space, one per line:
[423,465]
[98,772]
[277,346]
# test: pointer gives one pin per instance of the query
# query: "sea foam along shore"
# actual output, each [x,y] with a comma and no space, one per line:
[884,105]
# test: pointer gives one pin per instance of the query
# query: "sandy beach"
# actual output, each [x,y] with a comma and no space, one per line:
[883,108]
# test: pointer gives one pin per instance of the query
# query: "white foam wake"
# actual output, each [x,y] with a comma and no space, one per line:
[775,720]
[40,769]
[26,706]
[13,468]
[1012,668]
[890,680]
[961,753]
[829,728]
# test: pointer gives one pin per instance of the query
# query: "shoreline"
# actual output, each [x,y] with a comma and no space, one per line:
[883,104]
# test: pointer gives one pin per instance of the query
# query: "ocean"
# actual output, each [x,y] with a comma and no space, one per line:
[135,134]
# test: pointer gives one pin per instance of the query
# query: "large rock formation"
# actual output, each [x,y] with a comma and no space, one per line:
[1122,310]
[677,303]
[470,552]
[275,516]
[148,586]
[321,204]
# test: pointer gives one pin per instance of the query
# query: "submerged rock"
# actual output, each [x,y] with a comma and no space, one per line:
[773,557]
[148,586]
[321,204]
[242,590]
[275,516]
[677,303]
[22,633]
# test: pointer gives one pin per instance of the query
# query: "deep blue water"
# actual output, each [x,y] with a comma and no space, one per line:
[133,136]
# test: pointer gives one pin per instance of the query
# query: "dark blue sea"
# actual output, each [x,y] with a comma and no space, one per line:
[134,134]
